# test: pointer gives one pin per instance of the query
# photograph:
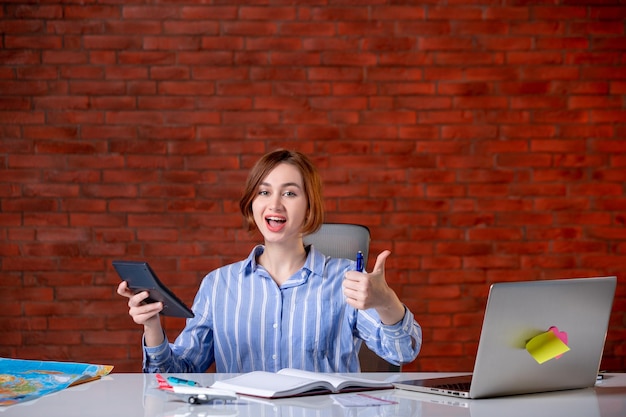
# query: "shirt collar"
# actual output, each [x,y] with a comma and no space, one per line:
[250,264]
[315,261]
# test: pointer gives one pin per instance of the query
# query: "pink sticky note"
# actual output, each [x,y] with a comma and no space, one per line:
[561,335]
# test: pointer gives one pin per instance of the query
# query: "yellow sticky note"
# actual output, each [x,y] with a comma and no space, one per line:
[546,346]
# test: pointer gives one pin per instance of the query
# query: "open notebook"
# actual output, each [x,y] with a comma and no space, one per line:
[537,336]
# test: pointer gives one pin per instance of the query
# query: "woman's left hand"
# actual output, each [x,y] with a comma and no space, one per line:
[370,290]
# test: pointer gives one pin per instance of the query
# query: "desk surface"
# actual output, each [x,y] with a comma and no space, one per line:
[136,395]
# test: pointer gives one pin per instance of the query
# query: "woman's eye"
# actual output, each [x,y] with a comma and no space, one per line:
[289,194]
[263,192]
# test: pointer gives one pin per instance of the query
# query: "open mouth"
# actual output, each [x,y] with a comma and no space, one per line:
[275,222]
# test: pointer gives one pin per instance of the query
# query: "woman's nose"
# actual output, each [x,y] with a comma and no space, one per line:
[276,203]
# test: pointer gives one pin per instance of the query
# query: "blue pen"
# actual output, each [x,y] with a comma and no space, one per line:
[180,381]
[359,261]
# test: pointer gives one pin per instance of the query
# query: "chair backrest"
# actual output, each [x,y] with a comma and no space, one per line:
[343,240]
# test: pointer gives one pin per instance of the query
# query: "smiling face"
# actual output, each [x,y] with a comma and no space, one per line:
[280,205]
[311,184]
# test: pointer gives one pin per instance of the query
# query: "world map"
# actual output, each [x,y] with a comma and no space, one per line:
[24,380]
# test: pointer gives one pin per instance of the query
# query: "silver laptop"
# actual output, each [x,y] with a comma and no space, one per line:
[569,403]
[519,311]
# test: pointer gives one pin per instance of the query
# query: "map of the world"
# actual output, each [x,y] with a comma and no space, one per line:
[24,380]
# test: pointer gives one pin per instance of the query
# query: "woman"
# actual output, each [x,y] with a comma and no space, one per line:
[284,306]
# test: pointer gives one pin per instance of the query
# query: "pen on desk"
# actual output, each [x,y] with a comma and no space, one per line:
[180,381]
[359,261]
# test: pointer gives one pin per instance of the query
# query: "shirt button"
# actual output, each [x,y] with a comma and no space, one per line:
[273,356]
[275,325]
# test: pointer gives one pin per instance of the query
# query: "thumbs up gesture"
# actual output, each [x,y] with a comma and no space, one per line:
[370,290]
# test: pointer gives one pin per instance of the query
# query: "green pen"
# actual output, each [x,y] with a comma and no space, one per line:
[180,381]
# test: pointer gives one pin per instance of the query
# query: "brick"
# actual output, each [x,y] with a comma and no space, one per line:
[494,262]
[597,28]
[550,262]
[89,12]
[307,29]
[395,148]
[44,219]
[597,189]
[573,160]
[507,43]
[441,263]
[406,59]
[609,146]
[463,248]
[64,57]
[554,233]
[608,116]
[617,203]
[425,103]
[82,72]
[495,234]
[613,43]
[445,43]
[559,13]
[492,74]
[463,57]
[551,73]
[34,42]
[22,26]
[607,12]
[358,28]
[618,87]
[10,338]
[27,11]
[506,13]
[618,161]
[76,103]
[585,131]
[349,59]
[382,44]
[23,87]
[578,247]
[581,58]
[339,13]
[618,175]
[604,261]
[30,204]
[331,44]
[604,73]
[454,306]
[558,146]
[205,12]
[589,87]
[463,13]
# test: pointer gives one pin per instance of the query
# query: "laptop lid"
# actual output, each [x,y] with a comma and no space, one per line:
[517,312]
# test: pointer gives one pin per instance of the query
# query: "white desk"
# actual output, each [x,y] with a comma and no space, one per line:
[136,395]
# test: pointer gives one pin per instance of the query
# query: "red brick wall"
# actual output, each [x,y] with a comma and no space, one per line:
[480,141]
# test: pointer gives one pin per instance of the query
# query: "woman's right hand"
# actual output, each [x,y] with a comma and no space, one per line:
[144,313]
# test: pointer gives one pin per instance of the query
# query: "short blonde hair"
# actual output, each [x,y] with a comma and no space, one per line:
[312,187]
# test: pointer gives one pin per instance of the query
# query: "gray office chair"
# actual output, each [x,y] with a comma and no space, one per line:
[342,240]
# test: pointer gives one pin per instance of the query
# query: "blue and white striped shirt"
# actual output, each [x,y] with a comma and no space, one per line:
[245,322]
